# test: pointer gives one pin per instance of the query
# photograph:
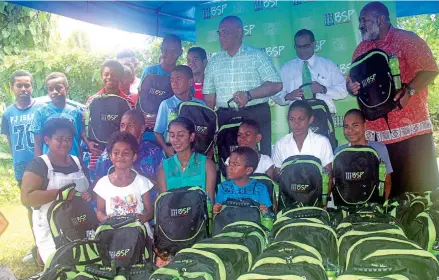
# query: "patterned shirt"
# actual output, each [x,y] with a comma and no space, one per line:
[414,56]
[249,68]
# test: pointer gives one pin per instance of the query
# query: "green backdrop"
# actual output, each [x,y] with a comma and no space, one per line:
[271,25]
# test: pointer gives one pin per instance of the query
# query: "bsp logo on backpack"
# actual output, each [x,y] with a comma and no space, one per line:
[119,254]
[369,80]
[201,129]
[180,212]
[79,220]
[299,187]
[354,176]
[157,92]
[109,117]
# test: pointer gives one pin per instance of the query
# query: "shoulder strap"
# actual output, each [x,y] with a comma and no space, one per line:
[78,163]
[46,160]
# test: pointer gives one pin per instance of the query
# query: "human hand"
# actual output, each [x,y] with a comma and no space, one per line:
[240,98]
[217,208]
[86,196]
[169,151]
[353,87]
[316,87]
[93,147]
[263,208]
[403,97]
[294,95]
[150,120]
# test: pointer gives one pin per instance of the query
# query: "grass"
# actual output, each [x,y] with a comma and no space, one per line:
[17,240]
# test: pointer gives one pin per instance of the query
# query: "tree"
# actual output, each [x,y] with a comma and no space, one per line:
[79,39]
[22,29]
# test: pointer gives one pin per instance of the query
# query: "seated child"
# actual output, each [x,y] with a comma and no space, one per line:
[124,191]
[182,79]
[243,161]
[249,135]
[355,131]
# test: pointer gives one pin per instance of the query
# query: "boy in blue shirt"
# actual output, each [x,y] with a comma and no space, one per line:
[242,162]
[182,79]
[16,122]
[57,89]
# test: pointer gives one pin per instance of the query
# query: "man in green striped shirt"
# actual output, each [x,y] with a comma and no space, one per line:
[240,79]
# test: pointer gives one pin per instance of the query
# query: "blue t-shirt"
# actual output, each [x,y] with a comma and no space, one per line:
[253,190]
[381,150]
[153,70]
[16,124]
[50,111]
[167,112]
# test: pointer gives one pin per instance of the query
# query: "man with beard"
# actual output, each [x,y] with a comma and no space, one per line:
[408,132]
[244,75]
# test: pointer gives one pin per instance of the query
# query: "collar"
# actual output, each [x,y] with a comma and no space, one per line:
[177,161]
[311,60]
[102,91]
[242,49]
[309,135]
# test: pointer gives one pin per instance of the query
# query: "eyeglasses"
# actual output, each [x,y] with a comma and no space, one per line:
[302,46]
[20,86]
[223,32]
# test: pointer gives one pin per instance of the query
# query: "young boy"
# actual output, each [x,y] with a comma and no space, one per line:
[17,120]
[249,135]
[112,73]
[302,140]
[197,61]
[128,58]
[124,191]
[57,89]
[128,79]
[181,82]
[354,126]
[243,161]
[150,155]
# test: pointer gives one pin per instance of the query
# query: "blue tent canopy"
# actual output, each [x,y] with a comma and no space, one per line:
[159,18]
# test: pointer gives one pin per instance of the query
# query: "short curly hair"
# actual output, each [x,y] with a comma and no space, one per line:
[51,126]
[250,155]
[125,137]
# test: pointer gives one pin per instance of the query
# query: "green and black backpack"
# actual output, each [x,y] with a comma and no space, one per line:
[306,212]
[405,211]
[126,239]
[226,141]
[272,187]
[195,264]
[359,176]
[424,230]
[182,219]
[71,217]
[302,182]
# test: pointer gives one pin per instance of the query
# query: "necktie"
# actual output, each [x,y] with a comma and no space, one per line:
[306,78]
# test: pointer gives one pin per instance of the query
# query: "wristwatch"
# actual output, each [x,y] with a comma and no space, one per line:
[411,91]
[249,96]
[324,90]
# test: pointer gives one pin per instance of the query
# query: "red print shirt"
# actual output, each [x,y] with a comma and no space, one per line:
[414,56]
[198,91]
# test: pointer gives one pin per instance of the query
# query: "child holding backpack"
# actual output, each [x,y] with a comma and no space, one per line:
[124,191]
[242,163]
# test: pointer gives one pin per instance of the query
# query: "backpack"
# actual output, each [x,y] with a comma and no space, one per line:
[371,273]
[196,264]
[358,176]
[377,89]
[73,257]
[302,182]
[322,237]
[71,219]
[205,121]
[322,123]
[306,212]
[182,219]
[241,252]
[405,211]
[153,90]
[248,230]
[105,113]
[234,210]
[127,240]
[424,230]
[272,187]
[366,219]
[226,141]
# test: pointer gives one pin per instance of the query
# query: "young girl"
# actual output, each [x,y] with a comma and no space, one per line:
[124,191]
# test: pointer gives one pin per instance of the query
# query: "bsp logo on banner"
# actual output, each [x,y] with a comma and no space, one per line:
[248,29]
[260,5]
[319,46]
[331,19]
[275,51]
[214,11]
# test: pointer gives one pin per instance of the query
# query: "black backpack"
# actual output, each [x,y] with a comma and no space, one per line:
[234,210]
[322,123]
[181,218]
[272,187]
[358,176]
[302,182]
[372,71]
[153,90]
[205,121]
[105,111]
[71,219]
[226,141]
[127,240]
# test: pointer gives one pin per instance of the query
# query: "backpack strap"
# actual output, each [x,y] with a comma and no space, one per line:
[46,160]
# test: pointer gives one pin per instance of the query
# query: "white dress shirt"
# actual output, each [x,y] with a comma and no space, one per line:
[314,145]
[323,71]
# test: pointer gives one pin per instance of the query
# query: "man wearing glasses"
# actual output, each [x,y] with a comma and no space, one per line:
[240,79]
[309,75]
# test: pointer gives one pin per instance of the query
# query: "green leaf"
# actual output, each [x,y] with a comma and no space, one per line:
[5,33]
[21,29]
[7,50]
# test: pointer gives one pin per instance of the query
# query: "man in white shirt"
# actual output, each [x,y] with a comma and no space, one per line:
[301,140]
[320,75]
